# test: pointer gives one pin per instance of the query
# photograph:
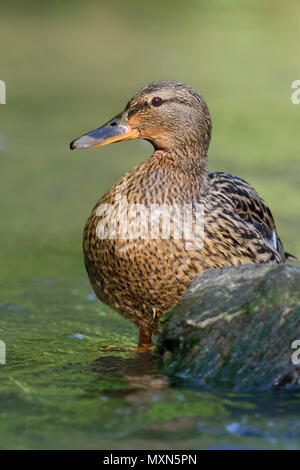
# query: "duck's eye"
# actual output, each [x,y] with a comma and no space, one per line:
[157,101]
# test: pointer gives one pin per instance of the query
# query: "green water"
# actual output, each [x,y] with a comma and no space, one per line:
[60,387]
[69,67]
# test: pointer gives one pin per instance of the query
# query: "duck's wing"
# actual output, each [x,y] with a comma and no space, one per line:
[251,208]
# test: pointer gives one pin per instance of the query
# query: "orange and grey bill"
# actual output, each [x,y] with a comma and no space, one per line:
[115,130]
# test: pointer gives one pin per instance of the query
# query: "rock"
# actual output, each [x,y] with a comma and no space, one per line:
[234,330]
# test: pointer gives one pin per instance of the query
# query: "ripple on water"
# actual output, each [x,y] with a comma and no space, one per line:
[91,297]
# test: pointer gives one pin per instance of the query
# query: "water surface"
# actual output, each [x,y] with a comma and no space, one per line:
[67,74]
[63,388]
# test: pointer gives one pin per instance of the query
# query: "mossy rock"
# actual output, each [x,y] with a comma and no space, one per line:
[234,330]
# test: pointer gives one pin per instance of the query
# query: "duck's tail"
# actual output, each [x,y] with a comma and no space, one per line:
[290,257]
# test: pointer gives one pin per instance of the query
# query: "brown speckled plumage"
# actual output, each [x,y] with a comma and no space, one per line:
[142,278]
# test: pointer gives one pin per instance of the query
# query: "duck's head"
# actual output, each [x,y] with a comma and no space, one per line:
[167,114]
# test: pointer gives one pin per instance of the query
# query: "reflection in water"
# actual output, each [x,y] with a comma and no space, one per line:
[143,381]
[137,364]
[144,388]
[53,384]
[233,420]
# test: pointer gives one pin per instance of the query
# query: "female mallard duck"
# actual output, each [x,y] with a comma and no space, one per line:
[142,275]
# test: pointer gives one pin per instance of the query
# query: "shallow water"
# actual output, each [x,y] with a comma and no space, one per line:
[62,388]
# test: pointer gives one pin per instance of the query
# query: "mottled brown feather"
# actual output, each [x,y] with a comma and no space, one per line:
[142,278]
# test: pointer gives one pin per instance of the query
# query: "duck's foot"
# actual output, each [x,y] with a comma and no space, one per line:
[134,349]
[145,337]
[115,347]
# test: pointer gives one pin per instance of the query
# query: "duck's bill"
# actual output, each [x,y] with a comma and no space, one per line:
[113,131]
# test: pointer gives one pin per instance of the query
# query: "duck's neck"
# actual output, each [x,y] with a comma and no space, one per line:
[187,164]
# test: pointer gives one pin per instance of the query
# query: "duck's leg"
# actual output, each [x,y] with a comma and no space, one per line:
[145,338]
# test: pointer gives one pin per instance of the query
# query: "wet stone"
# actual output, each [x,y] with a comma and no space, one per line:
[236,329]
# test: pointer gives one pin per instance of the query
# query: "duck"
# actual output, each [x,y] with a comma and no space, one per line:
[142,273]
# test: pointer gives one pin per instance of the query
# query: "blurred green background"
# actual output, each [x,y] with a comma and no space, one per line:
[69,66]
